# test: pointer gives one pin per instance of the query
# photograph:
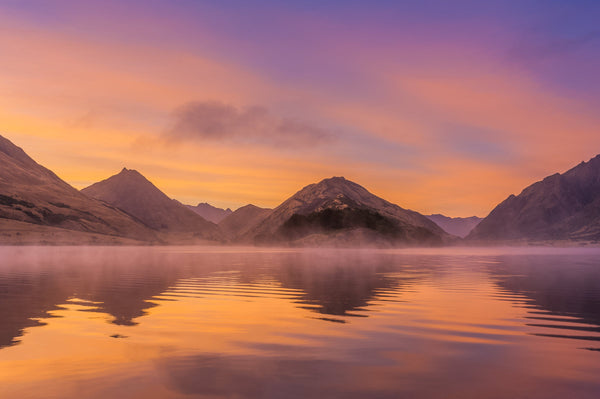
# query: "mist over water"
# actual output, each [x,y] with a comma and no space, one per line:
[170,322]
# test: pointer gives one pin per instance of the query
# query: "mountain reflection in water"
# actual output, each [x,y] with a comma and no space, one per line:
[231,322]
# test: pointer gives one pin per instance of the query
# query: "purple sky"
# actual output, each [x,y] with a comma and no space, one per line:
[438,106]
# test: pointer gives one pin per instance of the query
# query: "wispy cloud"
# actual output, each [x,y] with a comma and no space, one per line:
[219,122]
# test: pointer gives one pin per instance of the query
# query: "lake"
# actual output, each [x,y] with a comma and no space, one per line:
[185,322]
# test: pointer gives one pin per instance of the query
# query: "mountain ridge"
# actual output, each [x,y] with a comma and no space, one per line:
[559,207]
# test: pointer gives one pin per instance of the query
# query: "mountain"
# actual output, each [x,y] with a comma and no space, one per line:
[337,211]
[133,193]
[209,212]
[460,227]
[32,198]
[560,207]
[242,220]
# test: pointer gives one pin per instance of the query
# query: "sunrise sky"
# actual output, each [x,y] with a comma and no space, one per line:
[438,106]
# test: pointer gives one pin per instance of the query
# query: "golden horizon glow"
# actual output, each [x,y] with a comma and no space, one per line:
[444,123]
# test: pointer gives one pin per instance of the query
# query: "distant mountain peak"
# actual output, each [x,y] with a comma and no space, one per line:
[209,212]
[206,204]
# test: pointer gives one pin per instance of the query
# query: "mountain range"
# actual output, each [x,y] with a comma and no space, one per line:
[36,206]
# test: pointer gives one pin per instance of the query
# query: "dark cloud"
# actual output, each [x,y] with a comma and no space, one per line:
[216,121]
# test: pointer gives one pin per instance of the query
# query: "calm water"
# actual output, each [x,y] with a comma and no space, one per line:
[247,323]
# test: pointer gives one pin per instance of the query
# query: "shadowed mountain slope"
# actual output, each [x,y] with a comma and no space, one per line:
[560,207]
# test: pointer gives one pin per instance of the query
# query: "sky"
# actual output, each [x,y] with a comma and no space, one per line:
[438,106]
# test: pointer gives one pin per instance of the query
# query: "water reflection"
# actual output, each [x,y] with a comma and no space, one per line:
[32,285]
[122,282]
[336,286]
[24,300]
[562,293]
[125,283]
[175,322]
